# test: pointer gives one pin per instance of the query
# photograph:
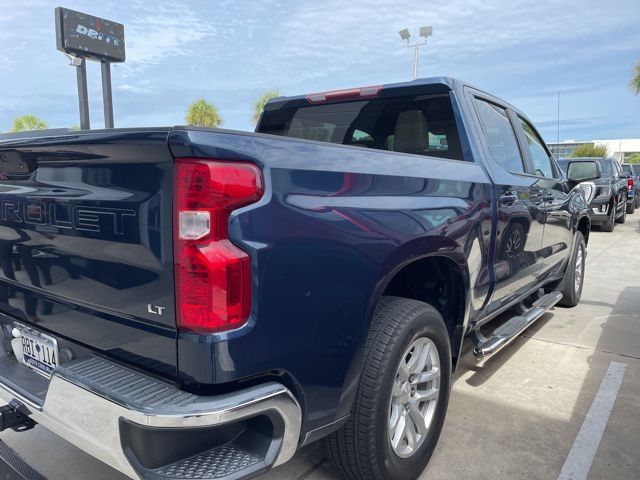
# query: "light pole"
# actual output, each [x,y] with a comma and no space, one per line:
[405,34]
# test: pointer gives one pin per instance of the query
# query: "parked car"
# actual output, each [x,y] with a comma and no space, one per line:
[216,299]
[633,179]
[610,203]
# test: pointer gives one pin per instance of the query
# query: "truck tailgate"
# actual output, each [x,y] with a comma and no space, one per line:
[85,241]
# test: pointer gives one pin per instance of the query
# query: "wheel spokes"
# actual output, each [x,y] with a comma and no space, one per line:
[425,377]
[426,395]
[399,429]
[417,419]
[414,396]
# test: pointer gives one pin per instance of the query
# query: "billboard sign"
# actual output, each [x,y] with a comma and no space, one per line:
[86,36]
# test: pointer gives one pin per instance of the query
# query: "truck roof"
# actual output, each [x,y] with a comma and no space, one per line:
[440,84]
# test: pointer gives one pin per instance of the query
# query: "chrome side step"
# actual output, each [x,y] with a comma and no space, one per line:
[505,333]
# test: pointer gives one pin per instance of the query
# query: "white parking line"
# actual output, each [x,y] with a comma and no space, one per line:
[585,446]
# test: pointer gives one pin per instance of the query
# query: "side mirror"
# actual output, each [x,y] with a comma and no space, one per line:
[583,171]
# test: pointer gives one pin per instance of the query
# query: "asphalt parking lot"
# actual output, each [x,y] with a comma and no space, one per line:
[516,416]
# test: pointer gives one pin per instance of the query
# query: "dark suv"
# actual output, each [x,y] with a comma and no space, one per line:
[610,203]
[633,196]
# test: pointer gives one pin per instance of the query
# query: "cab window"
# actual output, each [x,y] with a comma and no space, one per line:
[542,163]
[500,136]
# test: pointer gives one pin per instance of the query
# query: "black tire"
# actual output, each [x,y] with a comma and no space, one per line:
[610,224]
[570,294]
[622,218]
[361,449]
[631,207]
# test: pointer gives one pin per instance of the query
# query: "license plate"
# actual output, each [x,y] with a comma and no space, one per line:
[38,351]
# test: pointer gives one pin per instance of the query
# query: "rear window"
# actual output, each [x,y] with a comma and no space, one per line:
[422,125]
[628,169]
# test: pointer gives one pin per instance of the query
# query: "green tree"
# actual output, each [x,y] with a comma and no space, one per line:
[635,158]
[635,79]
[203,114]
[259,104]
[590,150]
[28,122]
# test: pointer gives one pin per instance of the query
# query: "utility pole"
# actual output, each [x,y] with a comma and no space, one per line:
[558,130]
[405,34]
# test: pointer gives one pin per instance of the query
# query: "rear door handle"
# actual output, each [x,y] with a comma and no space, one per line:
[508,199]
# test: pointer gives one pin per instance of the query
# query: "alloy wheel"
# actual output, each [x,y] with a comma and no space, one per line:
[414,397]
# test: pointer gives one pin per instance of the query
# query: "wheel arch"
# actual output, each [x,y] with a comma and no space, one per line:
[419,278]
[439,250]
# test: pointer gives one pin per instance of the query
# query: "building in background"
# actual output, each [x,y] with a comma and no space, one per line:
[620,149]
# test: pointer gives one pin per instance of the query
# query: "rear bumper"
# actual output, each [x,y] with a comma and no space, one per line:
[146,428]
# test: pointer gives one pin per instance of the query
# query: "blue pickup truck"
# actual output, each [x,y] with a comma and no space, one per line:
[197,303]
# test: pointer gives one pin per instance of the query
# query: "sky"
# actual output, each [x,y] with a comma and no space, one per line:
[229,52]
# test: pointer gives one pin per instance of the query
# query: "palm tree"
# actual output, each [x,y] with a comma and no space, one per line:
[258,106]
[203,114]
[635,79]
[28,122]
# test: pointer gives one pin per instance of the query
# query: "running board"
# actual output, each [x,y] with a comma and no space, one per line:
[505,333]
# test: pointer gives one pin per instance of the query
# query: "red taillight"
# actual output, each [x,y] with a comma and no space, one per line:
[630,183]
[212,275]
[342,95]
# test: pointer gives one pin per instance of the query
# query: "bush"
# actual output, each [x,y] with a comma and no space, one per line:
[590,150]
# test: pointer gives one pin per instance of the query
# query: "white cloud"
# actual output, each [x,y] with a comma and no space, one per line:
[228,51]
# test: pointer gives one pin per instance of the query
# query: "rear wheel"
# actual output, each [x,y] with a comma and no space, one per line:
[402,396]
[631,206]
[574,276]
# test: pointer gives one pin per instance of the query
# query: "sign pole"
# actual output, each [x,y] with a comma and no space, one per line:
[83,97]
[107,98]
[84,37]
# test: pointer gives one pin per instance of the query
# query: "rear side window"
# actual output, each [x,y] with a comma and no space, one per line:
[421,125]
[500,136]
[628,169]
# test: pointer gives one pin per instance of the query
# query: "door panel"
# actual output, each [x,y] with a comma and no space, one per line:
[520,207]
[558,226]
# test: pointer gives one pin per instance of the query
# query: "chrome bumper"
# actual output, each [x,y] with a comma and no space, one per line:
[88,418]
